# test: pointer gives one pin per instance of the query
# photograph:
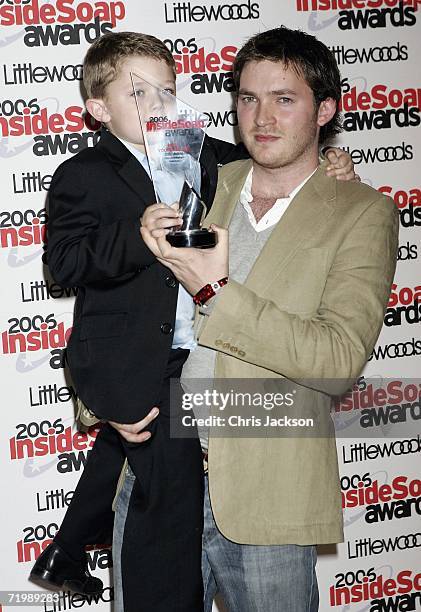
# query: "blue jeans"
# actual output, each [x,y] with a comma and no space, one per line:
[249,578]
[121,509]
[257,578]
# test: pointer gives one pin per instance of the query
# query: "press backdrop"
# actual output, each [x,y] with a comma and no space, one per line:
[377,46]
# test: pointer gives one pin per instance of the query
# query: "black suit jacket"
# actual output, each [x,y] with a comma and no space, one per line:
[125,308]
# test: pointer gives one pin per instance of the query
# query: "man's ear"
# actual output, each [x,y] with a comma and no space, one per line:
[98,109]
[326,111]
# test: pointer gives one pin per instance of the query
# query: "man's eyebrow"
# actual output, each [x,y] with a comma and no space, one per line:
[275,92]
[282,92]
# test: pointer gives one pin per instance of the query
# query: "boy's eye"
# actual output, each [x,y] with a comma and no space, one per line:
[137,93]
[169,90]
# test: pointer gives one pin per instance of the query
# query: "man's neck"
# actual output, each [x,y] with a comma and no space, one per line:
[279,182]
[271,184]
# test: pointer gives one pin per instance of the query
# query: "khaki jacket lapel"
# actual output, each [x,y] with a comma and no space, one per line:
[309,209]
[230,184]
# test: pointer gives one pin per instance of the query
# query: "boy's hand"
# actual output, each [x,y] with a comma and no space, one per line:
[133,432]
[340,165]
[160,218]
[193,268]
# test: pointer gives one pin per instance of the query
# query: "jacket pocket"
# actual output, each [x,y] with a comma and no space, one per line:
[103,325]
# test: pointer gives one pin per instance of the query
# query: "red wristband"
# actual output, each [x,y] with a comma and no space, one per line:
[208,291]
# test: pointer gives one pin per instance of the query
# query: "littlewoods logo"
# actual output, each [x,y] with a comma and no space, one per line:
[186,12]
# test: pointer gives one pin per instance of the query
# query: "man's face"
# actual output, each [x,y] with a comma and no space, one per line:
[120,100]
[276,114]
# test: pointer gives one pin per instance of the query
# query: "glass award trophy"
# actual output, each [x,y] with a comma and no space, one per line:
[173,133]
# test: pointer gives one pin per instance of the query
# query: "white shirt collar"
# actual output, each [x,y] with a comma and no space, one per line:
[141,157]
[278,209]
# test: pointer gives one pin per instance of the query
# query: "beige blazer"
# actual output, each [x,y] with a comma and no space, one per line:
[311,308]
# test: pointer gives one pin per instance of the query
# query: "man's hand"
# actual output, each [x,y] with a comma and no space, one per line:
[341,165]
[133,432]
[160,218]
[193,268]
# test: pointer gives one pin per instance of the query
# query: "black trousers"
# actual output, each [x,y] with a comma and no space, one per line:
[161,553]
[89,518]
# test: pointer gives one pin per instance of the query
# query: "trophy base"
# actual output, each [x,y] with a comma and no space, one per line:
[199,239]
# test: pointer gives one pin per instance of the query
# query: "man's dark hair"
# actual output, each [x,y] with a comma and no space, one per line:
[309,57]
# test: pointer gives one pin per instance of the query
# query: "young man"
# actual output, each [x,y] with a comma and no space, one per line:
[310,262]
[129,337]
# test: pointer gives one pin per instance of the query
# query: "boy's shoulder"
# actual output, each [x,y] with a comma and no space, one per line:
[84,161]
[109,150]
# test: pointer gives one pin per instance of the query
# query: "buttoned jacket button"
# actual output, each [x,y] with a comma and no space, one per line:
[170,281]
[166,328]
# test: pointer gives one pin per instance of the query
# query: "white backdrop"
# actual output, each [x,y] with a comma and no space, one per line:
[376,43]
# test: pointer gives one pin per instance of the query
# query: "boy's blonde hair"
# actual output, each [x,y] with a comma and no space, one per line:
[104,56]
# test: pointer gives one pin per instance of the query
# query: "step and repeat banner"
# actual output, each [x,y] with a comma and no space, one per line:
[42,122]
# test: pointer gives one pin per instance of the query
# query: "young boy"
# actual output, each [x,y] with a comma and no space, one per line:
[130,335]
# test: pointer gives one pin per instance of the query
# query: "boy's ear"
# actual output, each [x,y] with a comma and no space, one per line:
[98,109]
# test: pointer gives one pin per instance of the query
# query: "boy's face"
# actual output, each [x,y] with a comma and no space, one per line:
[117,110]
